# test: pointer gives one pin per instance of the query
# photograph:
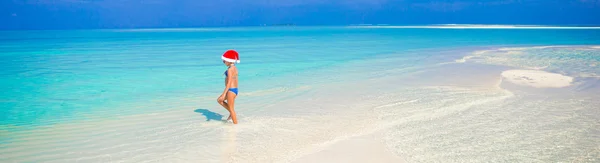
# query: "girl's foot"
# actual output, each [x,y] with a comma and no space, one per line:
[229,119]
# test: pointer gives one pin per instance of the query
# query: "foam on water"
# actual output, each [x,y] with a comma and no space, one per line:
[578,61]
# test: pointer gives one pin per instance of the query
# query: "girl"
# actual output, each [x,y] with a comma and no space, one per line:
[231,83]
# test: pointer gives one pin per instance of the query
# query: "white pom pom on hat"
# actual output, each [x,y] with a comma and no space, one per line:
[231,56]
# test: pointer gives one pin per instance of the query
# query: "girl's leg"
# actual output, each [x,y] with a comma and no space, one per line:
[230,102]
[225,105]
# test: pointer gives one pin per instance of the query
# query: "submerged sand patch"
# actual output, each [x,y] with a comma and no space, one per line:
[537,78]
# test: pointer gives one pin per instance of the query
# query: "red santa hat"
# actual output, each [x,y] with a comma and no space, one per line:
[231,56]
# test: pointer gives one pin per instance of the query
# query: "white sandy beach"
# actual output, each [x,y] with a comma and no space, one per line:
[536,78]
[369,148]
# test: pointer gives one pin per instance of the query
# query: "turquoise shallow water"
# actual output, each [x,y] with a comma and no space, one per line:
[149,95]
[52,76]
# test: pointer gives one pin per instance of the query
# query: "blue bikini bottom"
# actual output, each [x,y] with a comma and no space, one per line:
[234,90]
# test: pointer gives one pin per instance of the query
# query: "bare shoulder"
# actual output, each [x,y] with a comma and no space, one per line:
[233,69]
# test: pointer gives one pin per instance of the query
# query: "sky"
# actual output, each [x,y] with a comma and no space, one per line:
[86,14]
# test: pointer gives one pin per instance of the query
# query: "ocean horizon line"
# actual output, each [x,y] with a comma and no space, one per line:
[376,25]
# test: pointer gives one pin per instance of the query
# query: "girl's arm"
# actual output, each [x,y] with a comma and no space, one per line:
[227,85]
